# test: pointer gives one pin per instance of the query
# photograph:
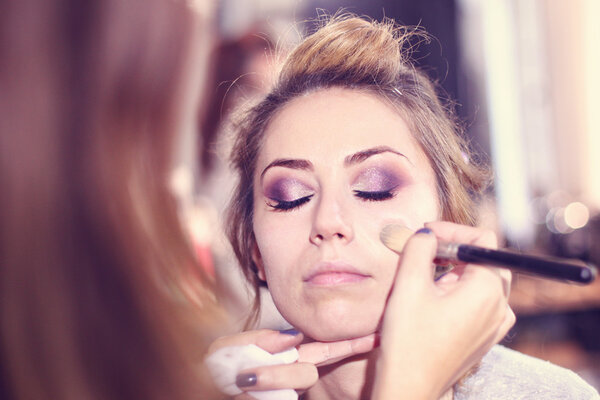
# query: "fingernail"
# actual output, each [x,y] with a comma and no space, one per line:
[245,380]
[440,276]
[290,331]
[424,230]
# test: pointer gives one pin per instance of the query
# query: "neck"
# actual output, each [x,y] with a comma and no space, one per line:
[350,379]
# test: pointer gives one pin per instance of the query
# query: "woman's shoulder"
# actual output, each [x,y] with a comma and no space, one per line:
[507,374]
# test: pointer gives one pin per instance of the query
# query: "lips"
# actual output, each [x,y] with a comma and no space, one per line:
[333,274]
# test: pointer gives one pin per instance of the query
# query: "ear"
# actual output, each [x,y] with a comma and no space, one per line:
[257,258]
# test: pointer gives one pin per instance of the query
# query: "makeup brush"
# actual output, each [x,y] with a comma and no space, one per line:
[395,237]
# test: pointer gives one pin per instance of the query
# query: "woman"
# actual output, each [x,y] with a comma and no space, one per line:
[352,138]
[101,296]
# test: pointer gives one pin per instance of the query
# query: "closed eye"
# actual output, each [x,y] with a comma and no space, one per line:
[282,205]
[374,196]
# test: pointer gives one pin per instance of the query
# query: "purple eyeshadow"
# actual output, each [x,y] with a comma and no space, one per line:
[376,180]
[286,190]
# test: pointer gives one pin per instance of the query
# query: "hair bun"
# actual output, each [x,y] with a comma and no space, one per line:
[352,49]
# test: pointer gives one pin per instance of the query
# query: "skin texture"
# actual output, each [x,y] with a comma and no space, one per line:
[301,250]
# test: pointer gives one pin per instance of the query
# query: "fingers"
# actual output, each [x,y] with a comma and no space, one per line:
[482,293]
[506,276]
[324,353]
[303,374]
[299,375]
[285,376]
[458,322]
[509,321]
[269,340]
[452,232]
[487,281]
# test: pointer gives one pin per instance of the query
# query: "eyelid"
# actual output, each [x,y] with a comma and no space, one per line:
[378,195]
[286,189]
[283,205]
[377,178]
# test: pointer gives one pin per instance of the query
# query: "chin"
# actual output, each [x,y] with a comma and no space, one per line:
[334,327]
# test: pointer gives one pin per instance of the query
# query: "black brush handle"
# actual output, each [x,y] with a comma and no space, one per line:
[548,267]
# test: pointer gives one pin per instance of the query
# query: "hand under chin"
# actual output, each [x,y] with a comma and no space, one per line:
[336,332]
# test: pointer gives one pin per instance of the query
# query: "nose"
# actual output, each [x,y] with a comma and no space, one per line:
[331,222]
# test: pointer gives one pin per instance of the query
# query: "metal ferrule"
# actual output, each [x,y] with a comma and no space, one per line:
[447,251]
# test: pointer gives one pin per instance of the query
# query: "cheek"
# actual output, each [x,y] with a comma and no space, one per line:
[419,205]
[279,243]
[426,210]
[410,208]
[276,256]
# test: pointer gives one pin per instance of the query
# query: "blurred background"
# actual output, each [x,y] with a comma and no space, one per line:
[525,78]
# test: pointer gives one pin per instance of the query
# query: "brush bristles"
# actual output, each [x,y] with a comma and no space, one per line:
[395,237]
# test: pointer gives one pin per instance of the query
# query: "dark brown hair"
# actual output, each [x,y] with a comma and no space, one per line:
[360,54]
[96,275]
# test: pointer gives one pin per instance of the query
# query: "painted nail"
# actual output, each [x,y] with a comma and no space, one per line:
[424,230]
[290,331]
[245,380]
[440,276]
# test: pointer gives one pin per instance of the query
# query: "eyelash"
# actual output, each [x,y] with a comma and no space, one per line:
[282,205]
[374,196]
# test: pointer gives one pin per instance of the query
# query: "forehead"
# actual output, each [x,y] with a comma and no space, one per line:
[332,123]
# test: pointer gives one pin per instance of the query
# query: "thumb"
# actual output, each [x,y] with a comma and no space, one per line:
[416,263]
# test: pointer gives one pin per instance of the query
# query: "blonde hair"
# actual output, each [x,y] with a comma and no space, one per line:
[356,53]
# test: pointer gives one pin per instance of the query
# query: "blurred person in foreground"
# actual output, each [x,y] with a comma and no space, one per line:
[101,297]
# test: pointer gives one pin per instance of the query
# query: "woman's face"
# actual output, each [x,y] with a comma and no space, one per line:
[337,165]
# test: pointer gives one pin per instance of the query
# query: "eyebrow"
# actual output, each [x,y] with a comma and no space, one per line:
[352,159]
[364,154]
[288,163]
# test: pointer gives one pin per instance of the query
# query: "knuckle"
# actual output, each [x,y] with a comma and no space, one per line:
[309,374]
[326,351]
[512,318]
[314,375]
[268,376]
[489,238]
[506,276]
